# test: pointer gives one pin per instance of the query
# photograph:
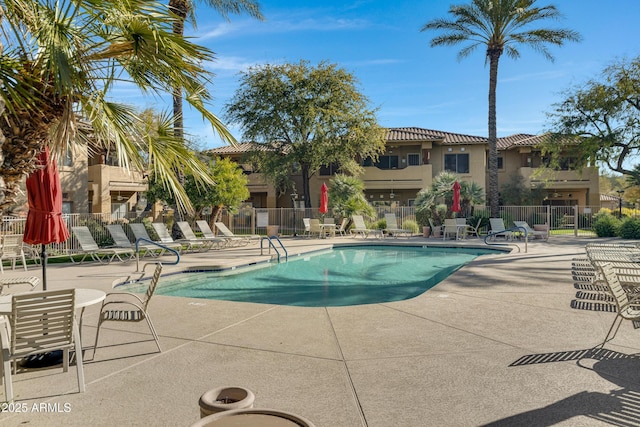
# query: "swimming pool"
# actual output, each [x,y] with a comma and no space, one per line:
[338,277]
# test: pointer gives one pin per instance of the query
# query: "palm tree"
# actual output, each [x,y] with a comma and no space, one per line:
[61,61]
[184,9]
[500,26]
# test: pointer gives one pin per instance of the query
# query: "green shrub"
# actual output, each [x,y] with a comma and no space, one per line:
[410,225]
[380,224]
[606,225]
[630,228]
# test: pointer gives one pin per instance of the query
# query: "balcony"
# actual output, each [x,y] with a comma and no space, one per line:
[564,179]
[411,177]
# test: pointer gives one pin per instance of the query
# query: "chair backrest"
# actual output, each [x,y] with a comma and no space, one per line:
[119,236]
[186,230]
[450,223]
[205,229]
[12,245]
[153,284]
[314,226]
[84,237]
[497,224]
[358,222]
[223,229]
[431,224]
[139,231]
[330,220]
[611,279]
[392,223]
[162,232]
[41,321]
[461,221]
[524,225]
[343,225]
[307,225]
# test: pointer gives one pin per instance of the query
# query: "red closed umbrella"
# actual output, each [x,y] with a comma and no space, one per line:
[324,199]
[44,221]
[456,197]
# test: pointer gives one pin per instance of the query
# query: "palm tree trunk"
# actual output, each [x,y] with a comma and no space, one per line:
[494,207]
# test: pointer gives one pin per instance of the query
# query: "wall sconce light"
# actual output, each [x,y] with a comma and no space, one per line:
[449,149]
[382,196]
[391,195]
[462,148]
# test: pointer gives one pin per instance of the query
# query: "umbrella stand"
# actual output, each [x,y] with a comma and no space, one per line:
[43,260]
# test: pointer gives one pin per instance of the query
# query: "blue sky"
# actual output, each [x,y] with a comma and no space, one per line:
[410,83]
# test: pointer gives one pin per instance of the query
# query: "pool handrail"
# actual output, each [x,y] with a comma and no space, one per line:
[160,245]
[271,245]
[486,238]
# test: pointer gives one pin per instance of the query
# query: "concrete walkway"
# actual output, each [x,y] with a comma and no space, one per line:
[495,344]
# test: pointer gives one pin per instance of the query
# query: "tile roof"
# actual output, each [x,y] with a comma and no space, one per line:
[412,134]
[420,134]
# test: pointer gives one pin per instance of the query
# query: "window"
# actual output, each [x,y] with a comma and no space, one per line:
[458,163]
[500,163]
[330,169]
[387,162]
[413,159]
[367,162]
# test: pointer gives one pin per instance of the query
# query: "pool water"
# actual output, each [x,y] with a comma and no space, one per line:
[339,277]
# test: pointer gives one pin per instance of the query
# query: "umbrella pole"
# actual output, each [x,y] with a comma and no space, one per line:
[43,260]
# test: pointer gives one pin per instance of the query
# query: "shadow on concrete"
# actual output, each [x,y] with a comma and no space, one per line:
[619,407]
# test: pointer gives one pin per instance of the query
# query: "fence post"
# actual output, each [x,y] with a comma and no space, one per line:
[575,220]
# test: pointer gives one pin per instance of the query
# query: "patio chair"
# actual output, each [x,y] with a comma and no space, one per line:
[40,322]
[165,237]
[498,229]
[90,248]
[12,250]
[329,226]
[342,230]
[392,226]
[190,236]
[307,226]
[127,307]
[315,229]
[530,231]
[139,231]
[121,240]
[450,227]
[241,239]
[628,305]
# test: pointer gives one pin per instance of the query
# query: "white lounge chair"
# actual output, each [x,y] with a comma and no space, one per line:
[360,229]
[242,239]
[165,237]
[208,234]
[498,229]
[530,231]
[89,247]
[140,232]
[393,228]
[121,240]
[307,226]
[205,242]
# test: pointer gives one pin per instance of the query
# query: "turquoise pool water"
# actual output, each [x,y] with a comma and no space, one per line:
[338,277]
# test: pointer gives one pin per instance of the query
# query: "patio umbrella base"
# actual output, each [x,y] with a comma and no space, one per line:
[42,360]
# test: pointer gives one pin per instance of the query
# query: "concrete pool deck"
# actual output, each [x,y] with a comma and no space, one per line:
[496,344]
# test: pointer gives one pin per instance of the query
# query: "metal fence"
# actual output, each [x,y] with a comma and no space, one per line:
[563,221]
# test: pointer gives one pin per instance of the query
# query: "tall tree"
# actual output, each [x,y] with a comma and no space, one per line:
[500,26]
[302,118]
[63,62]
[604,115]
[185,10]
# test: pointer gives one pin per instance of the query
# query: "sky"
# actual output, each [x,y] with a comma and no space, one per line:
[410,83]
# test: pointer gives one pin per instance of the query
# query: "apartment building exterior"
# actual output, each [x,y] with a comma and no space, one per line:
[414,156]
